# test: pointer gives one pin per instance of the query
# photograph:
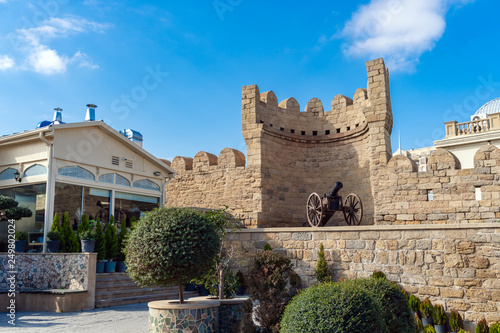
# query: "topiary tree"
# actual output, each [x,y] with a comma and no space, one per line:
[482,326]
[56,224]
[429,329]
[122,238]
[439,315]
[333,308]
[414,303]
[456,322]
[10,210]
[69,242]
[111,240]
[100,242]
[495,328]
[171,246]
[322,271]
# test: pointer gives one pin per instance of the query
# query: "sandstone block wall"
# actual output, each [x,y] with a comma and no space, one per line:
[292,153]
[403,192]
[454,265]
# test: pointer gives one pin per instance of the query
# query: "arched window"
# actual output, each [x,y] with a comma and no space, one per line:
[120,180]
[147,185]
[107,178]
[35,170]
[76,172]
[7,174]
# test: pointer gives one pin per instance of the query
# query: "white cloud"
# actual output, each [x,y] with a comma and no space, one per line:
[6,62]
[398,30]
[41,58]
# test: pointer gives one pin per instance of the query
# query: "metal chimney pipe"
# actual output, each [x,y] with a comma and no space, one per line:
[57,115]
[90,116]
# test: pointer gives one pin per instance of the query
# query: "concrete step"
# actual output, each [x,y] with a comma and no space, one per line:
[134,292]
[116,286]
[138,299]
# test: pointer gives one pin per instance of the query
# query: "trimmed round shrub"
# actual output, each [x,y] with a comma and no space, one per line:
[333,308]
[429,329]
[395,311]
[171,246]
[495,328]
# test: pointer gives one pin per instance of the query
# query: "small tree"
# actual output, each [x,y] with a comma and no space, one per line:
[171,246]
[69,242]
[9,209]
[322,271]
[122,238]
[100,243]
[111,240]
[56,224]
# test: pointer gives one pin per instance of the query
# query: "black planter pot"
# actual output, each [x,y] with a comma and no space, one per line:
[240,291]
[427,321]
[19,245]
[100,266]
[202,290]
[87,245]
[53,246]
[121,266]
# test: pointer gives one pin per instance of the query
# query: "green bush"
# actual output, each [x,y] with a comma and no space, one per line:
[53,236]
[268,280]
[379,275]
[482,326]
[69,243]
[21,236]
[426,308]
[333,308]
[87,235]
[439,315]
[456,322]
[429,329]
[56,224]
[122,239]
[463,331]
[495,328]
[414,303]
[171,246]
[9,209]
[267,247]
[100,242]
[111,240]
[322,271]
[394,308]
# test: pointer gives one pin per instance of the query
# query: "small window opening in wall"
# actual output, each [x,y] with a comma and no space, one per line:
[338,130]
[282,129]
[430,195]
[348,128]
[292,131]
[478,193]
[315,132]
[302,132]
[327,132]
[271,125]
[357,125]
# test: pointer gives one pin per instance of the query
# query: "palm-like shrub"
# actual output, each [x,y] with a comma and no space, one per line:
[171,246]
[439,315]
[333,308]
[482,326]
[426,308]
[456,322]
[322,271]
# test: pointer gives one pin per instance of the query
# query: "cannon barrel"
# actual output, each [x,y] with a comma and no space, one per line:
[333,193]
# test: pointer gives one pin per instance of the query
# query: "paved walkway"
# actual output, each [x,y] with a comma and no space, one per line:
[116,319]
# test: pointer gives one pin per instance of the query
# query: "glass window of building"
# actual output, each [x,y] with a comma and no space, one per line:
[133,205]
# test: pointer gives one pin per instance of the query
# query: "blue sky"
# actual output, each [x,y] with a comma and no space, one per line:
[173,70]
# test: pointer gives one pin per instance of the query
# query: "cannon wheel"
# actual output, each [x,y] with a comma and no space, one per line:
[314,210]
[353,209]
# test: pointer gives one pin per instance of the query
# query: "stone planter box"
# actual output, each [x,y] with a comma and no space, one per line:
[230,311]
[171,316]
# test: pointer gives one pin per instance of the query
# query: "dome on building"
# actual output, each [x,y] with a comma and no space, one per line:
[489,108]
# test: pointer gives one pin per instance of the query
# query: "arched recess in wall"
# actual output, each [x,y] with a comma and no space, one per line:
[7,174]
[107,178]
[120,180]
[76,172]
[35,170]
[147,185]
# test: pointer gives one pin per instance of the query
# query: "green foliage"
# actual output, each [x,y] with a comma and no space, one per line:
[439,315]
[9,209]
[426,308]
[495,328]
[211,282]
[267,247]
[122,239]
[240,278]
[295,280]
[322,271]
[268,280]
[56,224]
[133,223]
[463,331]
[429,329]
[171,246]
[456,322]
[482,326]
[69,242]
[379,275]
[111,240]
[87,235]
[333,308]
[83,226]
[100,242]
[419,327]
[21,235]
[414,303]
[53,236]
[394,309]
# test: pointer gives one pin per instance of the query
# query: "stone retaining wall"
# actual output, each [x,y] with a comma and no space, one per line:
[457,265]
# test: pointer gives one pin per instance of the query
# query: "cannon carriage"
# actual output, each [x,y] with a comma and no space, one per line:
[321,209]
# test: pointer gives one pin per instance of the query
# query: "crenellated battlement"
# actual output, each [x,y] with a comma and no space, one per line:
[204,162]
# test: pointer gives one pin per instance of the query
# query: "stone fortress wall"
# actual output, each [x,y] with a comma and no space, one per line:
[291,154]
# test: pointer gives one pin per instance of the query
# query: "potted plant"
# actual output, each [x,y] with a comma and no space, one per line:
[100,247]
[122,238]
[495,328]
[482,326]
[87,239]
[419,327]
[439,317]
[111,240]
[241,280]
[456,322]
[53,237]
[69,243]
[429,329]
[426,310]
[463,331]
[414,304]
[173,246]
[21,238]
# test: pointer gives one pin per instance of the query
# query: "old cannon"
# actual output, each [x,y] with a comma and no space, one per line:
[321,209]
